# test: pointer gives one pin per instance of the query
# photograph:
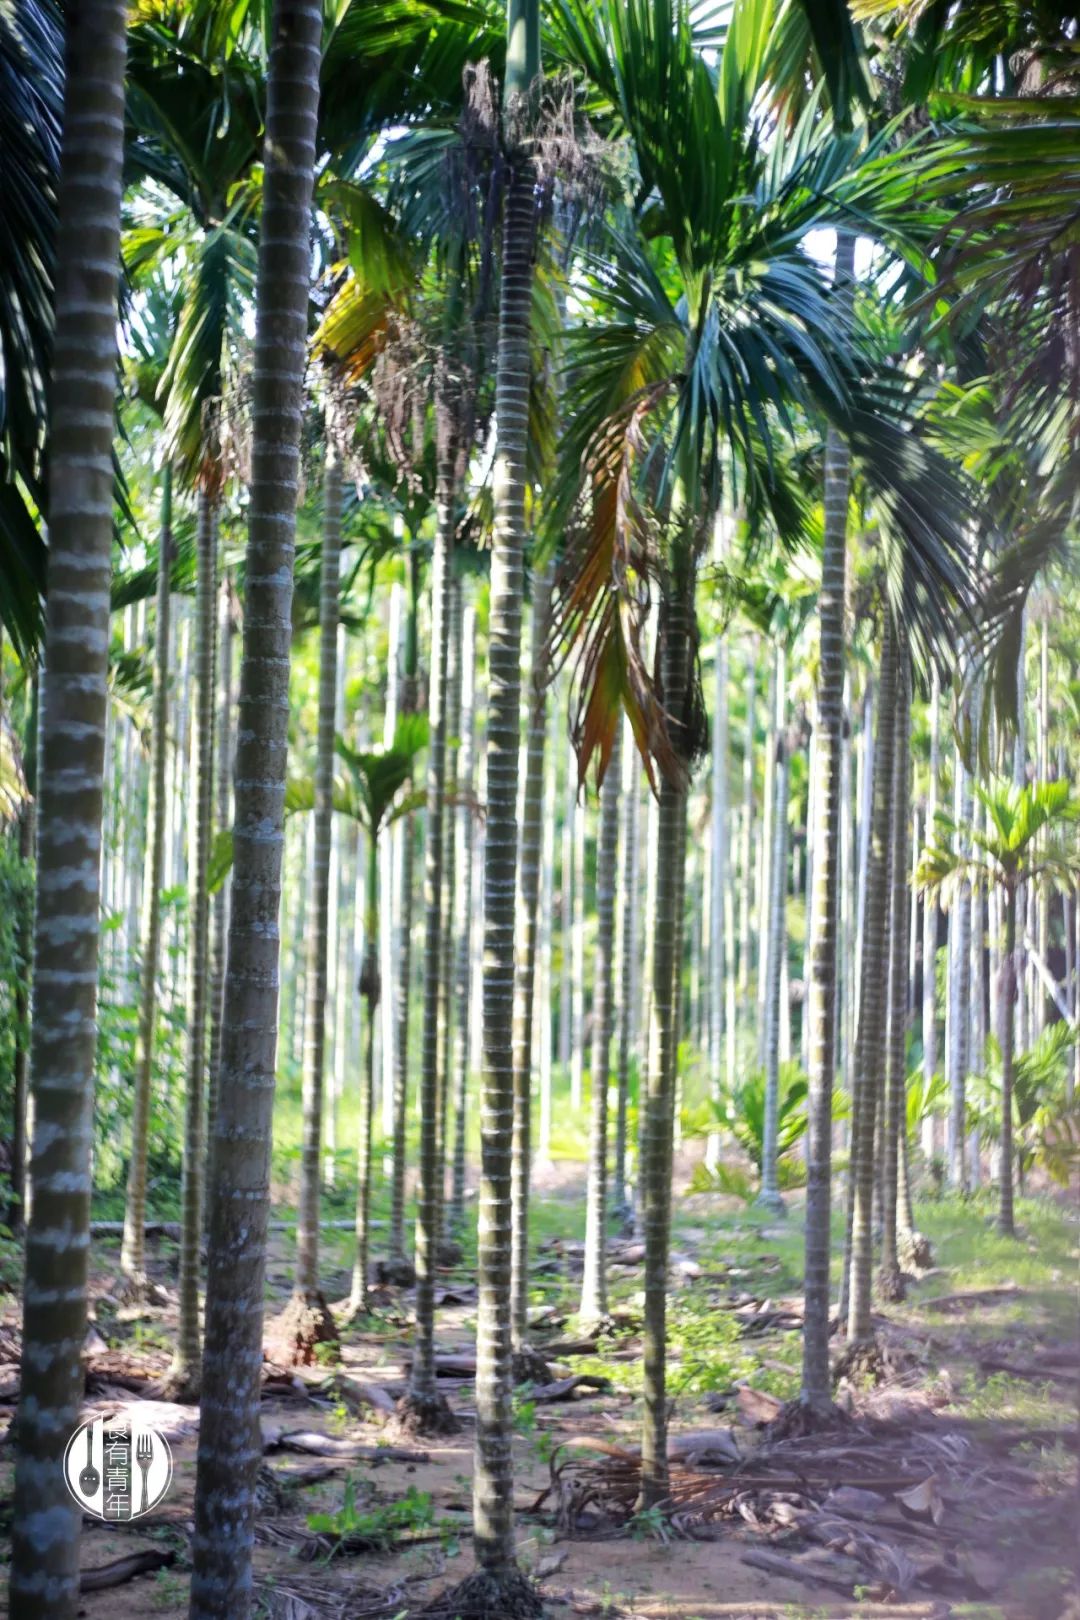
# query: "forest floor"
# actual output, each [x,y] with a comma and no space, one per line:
[951,1491]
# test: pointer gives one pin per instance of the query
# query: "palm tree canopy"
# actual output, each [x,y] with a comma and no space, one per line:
[1026,841]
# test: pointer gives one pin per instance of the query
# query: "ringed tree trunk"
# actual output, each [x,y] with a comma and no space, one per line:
[665,926]
[133,1246]
[307,1320]
[930,1133]
[220,912]
[815,1395]
[463,953]
[423,1409]
[959,996]
[1007,1038]
[626,974]
[719,945]
[528,888]
[498,1582]
[593,1307]
[776,944]
[369,990]
[230,1446]
[871,1044]
[447,1246]
[17,1208]
[895,1121]
[184,1375]
[44,1581]
[403,954]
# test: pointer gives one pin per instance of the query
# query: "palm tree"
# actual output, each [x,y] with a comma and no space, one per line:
[776,940]
[498,1582]
[527,1364]
[376,781]
[309,1320]
[463,953]
[593,1307]
[894,1100]
[1023,844]
[670,393]
[869,1079]
[185,1369]
[44,1577]
[229,1450]
[132,1251]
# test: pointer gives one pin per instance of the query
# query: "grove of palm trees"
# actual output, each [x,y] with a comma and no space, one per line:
[539,847]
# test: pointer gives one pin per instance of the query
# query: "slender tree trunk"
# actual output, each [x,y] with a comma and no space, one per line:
[230,1446]
[821,1002]
[895,1121]
[306,1292]
[493,1496]
[665,927]
[463,956]
[959,995]
[389,853]
[776,945]
[428,1410]
[747,861]
[449,887]
[220,904]
[528,884]
[44,1581]
[185,1368]
[1006,1005]
[625,977]
[719,945]
[594,1282]
[18,1212]
[931,914]
[566,913]
[369,990]
[577,969]
[403,982]
[545,944]
[133,1250]
[871,1043]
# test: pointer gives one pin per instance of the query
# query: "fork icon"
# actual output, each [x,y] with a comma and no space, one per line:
[144,1456]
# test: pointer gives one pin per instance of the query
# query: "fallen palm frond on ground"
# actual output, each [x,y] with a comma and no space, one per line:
[889,1506]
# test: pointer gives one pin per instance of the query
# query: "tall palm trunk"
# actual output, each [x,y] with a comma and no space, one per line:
[931,914]
[871,1043]
[403,954]
[132,1250]
[230,1448]
[185,1368]
[463,954]
[18,1212]
[426,1408]
[369,990]
[311,1317]
[449,893]
[1006,1037]
[220,911]
[665,927]
[776,947]
[71,762]
[493,1497]
[895,1121]
[626,977]
[959,995]
[746,863]
[821,991]
[528,884]
[388,861]
[719,945]
[594,1282]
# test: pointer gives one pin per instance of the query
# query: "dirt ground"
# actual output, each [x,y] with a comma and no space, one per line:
[929,1502]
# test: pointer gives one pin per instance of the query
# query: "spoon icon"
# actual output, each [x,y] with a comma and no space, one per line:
[89,1478]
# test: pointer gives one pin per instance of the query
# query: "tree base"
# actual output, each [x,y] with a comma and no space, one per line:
[424,1416]
[182,1385]
[485,1596]
[527,1366]
[303,1325]
[395,1272]
[916,1252]
[798,1419]
[891,1288]
[865,1361]
[449,1252]
[771,1203]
